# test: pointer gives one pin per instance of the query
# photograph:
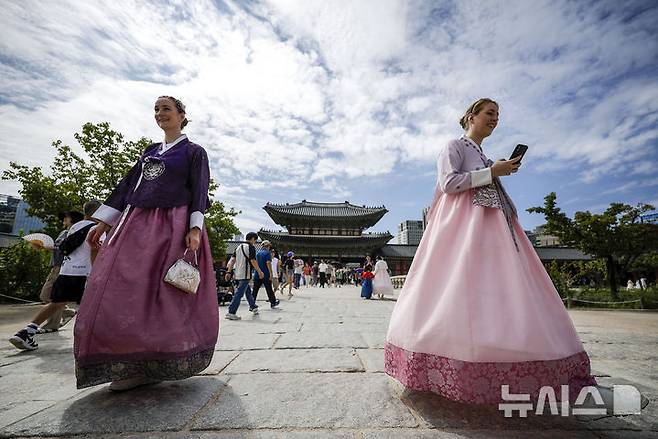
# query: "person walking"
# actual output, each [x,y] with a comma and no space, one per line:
[264,261]
[298,272]
[366,285]
[62,316]
[307,275]
[381,284]
[479,310]
[315,273]
[69,286]
[240,266]
[276,270]
[322,270]
[289,273]
[134,328]
[340,276]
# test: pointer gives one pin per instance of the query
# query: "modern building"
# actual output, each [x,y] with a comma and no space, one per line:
[540,238]
[14,220]
[8,206]
[326,230]
[410,232]
[426,211]
[24,223]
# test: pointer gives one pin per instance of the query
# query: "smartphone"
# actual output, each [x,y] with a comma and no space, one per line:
[520,150]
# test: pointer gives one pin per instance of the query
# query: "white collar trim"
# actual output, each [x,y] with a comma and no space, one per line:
[167,146]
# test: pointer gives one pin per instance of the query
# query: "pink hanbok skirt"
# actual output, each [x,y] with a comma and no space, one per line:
[476,314]
[131,324]
[382,284]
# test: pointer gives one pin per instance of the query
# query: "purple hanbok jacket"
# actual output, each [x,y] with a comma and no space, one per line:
[178,177]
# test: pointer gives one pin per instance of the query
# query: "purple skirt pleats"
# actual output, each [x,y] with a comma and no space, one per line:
[131,324]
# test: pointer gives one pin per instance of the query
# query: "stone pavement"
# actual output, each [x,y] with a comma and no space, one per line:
[311,370]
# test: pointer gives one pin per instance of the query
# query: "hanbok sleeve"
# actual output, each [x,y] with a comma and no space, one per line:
[452,179]
[199,180]
[110,211]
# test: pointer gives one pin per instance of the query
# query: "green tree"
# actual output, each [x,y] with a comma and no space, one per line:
[23,270]
[617,235]
[646,262]
[75,178]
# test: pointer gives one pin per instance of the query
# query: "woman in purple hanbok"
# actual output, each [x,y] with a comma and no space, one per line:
[478,310]
[133,328]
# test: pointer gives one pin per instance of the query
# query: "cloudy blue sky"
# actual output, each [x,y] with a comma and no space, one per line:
[347,100]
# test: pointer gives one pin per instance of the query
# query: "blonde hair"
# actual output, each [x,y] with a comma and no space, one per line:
[474,109]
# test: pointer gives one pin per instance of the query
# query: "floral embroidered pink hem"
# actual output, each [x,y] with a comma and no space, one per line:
[480,383]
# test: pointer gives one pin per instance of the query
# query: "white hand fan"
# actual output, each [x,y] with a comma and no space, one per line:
[44,239]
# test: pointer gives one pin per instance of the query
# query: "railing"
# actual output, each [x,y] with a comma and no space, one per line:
[398,281]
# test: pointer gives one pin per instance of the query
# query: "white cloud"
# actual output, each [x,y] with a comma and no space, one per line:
[312,97]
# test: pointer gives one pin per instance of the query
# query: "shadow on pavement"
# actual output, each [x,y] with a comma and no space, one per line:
[168,406]
[440,412]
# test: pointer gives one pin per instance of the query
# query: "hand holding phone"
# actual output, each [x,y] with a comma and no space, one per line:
[519,151]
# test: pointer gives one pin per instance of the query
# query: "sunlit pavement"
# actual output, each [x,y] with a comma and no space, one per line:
[313,369]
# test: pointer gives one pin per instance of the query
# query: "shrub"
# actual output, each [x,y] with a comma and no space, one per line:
[23,271]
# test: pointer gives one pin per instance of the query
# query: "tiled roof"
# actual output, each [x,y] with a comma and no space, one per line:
[399,251]
[268,234]
[544,253]
[309,208]
[561,254]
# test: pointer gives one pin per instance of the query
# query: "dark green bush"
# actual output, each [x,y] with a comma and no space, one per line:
[23,271]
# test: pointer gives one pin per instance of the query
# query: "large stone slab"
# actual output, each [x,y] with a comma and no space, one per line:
[16,412]
[12,355]
[307,340]
[296,360]
[373,359]
[307,400]
[220,360]
[647,420]
[348,326]
[441,413]
[239,342]
[166,406]
[375,339]
[29,386]
[475,434]
[239,434]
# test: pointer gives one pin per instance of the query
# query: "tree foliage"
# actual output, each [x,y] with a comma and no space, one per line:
[616,235]
[23,271]
[75,179]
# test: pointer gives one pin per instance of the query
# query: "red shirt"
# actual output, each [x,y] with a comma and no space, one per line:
[367,275]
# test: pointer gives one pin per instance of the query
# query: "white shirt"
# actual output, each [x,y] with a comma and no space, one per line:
[242,268]
[275,266]
[323,268]
[78,263]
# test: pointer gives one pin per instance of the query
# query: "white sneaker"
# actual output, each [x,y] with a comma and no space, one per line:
[230,316]
[131,383]
[254,310]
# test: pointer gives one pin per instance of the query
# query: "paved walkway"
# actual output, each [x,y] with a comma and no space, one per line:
[311,370]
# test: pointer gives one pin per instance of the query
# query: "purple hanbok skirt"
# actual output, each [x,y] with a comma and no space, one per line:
[131,324]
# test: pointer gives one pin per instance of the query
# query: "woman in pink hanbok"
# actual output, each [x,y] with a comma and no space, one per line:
[478,310]
[381,284]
